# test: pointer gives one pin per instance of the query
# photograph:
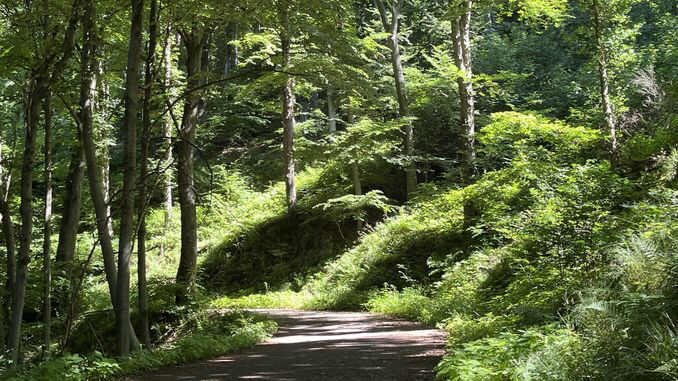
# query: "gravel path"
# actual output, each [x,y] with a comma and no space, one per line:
[326,346]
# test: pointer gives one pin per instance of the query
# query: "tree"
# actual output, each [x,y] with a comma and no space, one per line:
[127,226]
[392,26]
[193,40]
[149,79]
[45,71]
[461,41]
[47,229]
[88,68]
[288,104]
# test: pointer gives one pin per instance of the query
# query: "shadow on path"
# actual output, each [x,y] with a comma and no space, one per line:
[316,346]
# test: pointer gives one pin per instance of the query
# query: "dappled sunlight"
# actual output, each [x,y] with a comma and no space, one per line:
[327,346]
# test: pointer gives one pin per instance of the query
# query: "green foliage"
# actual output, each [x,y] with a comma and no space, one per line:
[273,299]
[355,207]
[512,134]
[411,303]
[492,358]
[200,336]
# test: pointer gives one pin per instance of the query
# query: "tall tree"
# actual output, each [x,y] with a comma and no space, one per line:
[47,229]
[288,104]
[461,41]
[193,40]
[390,19]
[603,75]
[167,133]
[44,73]
[129,177]
[6,164]
[149,79]
[88,69]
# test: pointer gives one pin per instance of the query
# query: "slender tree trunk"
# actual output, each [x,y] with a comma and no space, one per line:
[37,91]
[72,202]
[331,110]
[461,39]
[288,105]
[89,67]
[45,73]
[231,51]
[47,231]
[603,76]
[102,135]
[129,177]
[10,247]
[393,27]
[186,273]
[167,133]
[149,79]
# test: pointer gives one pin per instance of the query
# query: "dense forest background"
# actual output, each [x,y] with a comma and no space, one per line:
[505,170]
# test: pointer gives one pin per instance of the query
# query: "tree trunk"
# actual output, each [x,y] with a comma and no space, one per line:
[288,111]
[331,111]
[186,273]
[149,79]
[37,91]
[603,76]
[72,203]
[47,231]
[10,245]
[231,51]
[129,177]
[461,38]
[45,73]
[89,67]
[167,133]
[393,27]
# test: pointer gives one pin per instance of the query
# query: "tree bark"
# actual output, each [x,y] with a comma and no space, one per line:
[47,231]
[129,177]
[89,67]
[149,79]
[46,72]
[288,104]
[606,103]
[9,239]
[461,41]
[72,203]
[461,38]
[38,89]
[331,110]
[167,133]
[230,51]
[193,41]
[392,27]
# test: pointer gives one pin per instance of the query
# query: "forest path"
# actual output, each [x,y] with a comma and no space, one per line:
[331,346]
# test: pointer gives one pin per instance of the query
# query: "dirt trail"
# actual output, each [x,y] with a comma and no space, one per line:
[331,346]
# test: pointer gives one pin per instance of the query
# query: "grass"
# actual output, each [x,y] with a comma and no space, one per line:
[275,299]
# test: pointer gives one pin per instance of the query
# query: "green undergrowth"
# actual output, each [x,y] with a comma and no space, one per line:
[274,299]
[204,335]
[567,270]
[273,249]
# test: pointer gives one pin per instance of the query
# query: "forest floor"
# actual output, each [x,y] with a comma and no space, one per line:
[329,346]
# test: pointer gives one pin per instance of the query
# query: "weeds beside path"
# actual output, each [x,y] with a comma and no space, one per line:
[315,346]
